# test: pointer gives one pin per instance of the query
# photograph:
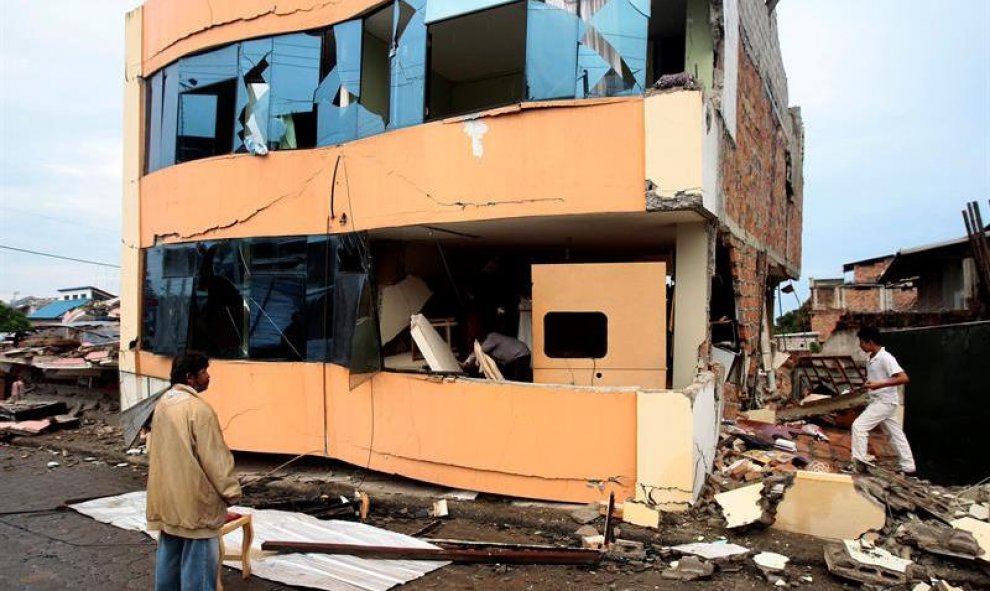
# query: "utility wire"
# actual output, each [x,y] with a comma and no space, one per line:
[56,256]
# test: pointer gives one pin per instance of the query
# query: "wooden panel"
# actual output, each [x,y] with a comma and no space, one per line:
[631,295]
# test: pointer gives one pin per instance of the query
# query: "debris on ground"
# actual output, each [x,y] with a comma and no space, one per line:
[689,568]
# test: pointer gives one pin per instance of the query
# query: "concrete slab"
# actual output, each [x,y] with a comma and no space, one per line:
[980,531]
[742,505]
[827,506]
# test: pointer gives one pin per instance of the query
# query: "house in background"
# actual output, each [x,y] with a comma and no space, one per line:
[87,292]
[55,311]
[943,274]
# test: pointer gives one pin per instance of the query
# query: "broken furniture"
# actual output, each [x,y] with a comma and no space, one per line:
[830,374]
[600,324]
[237,521]
[435,350]
[444,328]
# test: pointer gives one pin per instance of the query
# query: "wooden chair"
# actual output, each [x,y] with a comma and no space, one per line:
[234,521]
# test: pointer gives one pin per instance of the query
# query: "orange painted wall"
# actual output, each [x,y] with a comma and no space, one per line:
[528,167]
[517,439]
[173,28]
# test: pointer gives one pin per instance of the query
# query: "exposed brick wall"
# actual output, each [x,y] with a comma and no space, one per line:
[754,172]
[824,322]
[905,298]
[863,300]
[870,273]
[759,37]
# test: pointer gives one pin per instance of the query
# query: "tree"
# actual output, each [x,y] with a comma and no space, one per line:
[798,320]
[12,320]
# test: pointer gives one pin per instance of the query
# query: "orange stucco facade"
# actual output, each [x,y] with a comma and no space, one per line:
[543,441]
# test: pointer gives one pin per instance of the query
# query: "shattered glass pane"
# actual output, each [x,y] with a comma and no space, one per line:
[253,96]
[220,319]
[207,93]
[408,64]
[617,33]
[153,122]
[170,115]
[168,290]
[295,74]
[320,271]
[551,51]
[438,10]
[337,94]
[276,298]
[366,357]
[376,65]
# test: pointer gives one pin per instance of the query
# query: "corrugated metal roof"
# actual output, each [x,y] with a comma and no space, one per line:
[54,310]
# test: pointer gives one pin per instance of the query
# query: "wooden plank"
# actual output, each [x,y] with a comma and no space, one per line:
[822,407]
[487,364]
[458,555]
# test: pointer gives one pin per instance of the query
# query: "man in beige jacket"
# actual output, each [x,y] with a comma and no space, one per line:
[191,480]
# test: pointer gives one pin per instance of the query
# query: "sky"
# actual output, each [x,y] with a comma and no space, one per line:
[895,98]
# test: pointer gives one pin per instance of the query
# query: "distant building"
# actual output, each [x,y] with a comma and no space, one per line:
[53,312]
[87,292]
[944,275]
[866,293]
[796,341]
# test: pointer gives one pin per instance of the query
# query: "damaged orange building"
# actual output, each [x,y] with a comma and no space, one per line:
[616,183]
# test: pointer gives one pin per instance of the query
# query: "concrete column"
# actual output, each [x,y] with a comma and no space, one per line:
[692,282]
[130,255]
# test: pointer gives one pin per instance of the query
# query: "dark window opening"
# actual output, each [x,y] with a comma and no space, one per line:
[296,60]
[477,61]
[574,335]
[667,41]
[375,62]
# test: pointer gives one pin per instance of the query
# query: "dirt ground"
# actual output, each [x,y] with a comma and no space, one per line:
[401,505]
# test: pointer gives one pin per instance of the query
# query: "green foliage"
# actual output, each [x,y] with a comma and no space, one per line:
[815,348]
[12,320]
[796,320]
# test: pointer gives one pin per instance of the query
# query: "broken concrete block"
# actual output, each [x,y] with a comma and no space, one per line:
[939,539]
[640,514]
[689,569]
[771,561]
[585,514]
[439,509]
[922,587]
[742,505]
[980,531]
[712,550]
[594,542]
[827,506]
[978,511]
[873,565]
[616,509]
[586,530]
[627,549]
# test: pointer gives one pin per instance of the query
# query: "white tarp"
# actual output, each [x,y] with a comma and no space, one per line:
[319,571]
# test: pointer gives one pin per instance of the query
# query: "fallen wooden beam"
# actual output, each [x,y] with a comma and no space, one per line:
[822,407]
[457,555]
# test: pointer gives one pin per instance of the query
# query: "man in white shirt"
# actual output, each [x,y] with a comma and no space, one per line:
[883,376]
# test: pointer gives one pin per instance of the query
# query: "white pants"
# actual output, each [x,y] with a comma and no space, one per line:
[881,413]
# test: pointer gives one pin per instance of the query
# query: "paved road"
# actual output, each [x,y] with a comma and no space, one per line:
[44,548]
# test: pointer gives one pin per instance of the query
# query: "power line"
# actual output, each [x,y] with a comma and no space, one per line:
[56,256]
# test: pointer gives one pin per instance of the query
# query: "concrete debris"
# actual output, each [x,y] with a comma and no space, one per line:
[585,531]
[439,509]
[627,550]
[771,561]
[594,542]
[980,531]
[585,514]
[866,565]
[939,539]
[640,514]
[742,505]
[689,568]
[712,550]
[828,506]
[978,511]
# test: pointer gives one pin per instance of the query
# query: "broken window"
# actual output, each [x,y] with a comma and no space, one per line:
[340,115]
[160,125]
[612,49]
[408,67]
[575,335]
[476,61]
[375,64]
[168,288]
[552,32]
[295,74]
[253,96]
[263,299]
[207,93]
[221,314]
[667,43]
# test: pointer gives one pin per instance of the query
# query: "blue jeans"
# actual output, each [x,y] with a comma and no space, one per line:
[184,564]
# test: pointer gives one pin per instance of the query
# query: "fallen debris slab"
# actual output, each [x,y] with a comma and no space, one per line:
[689,568]
[456,555]
[827,506]
[640,514]
[937,539]
[822,407]
[980,531]
[771,561]
[741,506]
[866,565]
[712,550]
